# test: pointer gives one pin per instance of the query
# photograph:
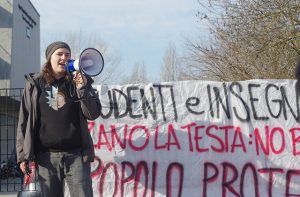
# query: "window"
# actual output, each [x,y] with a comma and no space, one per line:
[28,32]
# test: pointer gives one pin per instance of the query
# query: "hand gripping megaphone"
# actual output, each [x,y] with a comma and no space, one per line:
[90,62]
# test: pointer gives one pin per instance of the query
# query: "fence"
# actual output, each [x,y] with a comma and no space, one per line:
[10,175]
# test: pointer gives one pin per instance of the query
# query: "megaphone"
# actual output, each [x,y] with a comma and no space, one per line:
[90,62]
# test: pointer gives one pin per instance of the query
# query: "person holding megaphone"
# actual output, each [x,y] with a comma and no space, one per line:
[52,129]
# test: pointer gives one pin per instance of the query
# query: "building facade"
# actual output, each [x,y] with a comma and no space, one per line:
[19,55]
[19,42]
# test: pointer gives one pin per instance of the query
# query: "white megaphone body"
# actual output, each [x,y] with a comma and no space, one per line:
[90,63]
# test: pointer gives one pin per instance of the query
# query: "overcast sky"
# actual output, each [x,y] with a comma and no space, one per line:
[138,30]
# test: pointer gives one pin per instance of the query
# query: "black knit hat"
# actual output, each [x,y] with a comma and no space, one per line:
[54,46]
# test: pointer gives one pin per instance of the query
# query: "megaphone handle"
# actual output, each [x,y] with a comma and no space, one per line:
[79,79]
[70,87]
[74,86]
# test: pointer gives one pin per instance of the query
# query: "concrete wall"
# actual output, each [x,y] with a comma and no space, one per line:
[25,42]
[6,18]
[19,42]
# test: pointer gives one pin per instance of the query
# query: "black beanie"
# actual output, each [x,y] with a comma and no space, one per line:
[54,46]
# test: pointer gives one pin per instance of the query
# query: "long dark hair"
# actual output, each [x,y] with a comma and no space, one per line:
[47,72]
[48,78]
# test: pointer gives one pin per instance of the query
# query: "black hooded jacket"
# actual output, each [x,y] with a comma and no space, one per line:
[89,110]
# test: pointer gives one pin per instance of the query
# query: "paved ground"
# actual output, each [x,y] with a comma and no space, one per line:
[8,194]
[9,187]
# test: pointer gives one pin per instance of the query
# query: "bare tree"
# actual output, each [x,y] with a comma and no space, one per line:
[170,67]
[138,74]
[249,39]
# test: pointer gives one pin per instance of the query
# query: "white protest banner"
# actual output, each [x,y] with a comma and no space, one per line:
[198,138]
